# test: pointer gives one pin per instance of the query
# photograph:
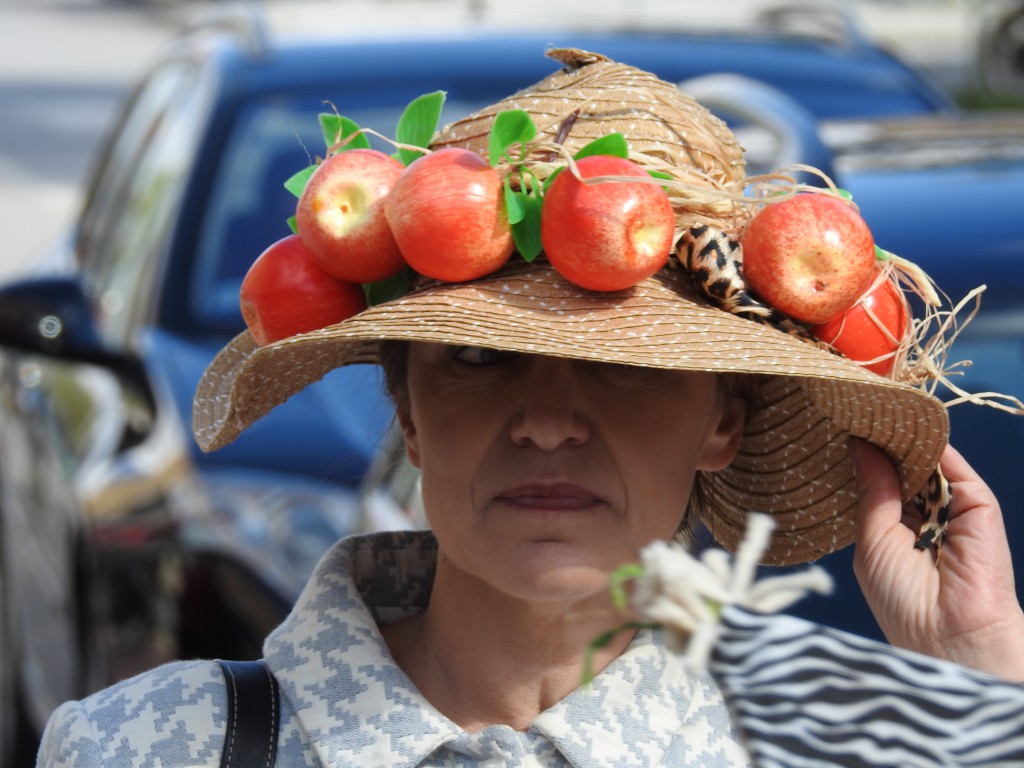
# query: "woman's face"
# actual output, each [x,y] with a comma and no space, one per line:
[541,475]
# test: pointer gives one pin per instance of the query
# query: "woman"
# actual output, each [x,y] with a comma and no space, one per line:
[542,475]
[558,431]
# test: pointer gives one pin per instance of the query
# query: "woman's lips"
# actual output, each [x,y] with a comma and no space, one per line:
[564,497]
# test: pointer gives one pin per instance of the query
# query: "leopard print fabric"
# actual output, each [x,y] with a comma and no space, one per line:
[715,263]
[933,503]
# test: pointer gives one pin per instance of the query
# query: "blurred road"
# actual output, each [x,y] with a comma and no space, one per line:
[65,64]
[63,68]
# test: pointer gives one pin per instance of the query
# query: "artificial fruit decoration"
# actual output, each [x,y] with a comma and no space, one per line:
[340,215]
[606,235]
[447,214]
[810,256]
[286,292]
[873,329]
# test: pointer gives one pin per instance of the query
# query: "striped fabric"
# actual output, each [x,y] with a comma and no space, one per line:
[804,695]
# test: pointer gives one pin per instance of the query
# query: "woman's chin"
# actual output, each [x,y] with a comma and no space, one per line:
[556,572]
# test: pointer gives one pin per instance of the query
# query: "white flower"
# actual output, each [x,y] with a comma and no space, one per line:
[685,595]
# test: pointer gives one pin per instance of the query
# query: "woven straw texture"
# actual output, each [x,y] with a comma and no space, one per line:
[666,130]
[794,459]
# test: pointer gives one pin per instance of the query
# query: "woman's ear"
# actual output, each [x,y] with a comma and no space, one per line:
[403,412]
[721,446]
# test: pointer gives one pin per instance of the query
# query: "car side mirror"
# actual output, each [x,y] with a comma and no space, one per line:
[52,316]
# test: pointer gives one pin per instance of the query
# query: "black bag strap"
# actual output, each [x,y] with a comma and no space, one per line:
[250,739]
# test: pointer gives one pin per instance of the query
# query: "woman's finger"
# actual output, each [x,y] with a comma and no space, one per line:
[880,511]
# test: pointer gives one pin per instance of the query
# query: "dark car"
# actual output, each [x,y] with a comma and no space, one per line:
[121,546]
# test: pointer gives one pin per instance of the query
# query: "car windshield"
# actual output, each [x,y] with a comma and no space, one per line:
[249,207]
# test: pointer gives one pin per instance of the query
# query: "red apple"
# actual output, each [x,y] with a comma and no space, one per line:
[810,256]
[286,292]
[872,329]
[610,235]
[447,212]
[340,215]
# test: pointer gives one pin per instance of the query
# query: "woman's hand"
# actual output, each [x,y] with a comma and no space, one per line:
[961,606]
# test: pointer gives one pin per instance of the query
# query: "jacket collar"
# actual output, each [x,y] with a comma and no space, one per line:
[357,707]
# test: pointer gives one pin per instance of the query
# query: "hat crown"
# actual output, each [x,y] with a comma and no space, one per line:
[794,459]
[666,130]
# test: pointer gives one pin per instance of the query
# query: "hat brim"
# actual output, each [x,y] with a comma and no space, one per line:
[794,459]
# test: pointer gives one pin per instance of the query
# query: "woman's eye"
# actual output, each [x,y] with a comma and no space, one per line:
[481,355]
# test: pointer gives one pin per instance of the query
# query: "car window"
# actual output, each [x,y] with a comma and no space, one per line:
[137,190]
[249,207]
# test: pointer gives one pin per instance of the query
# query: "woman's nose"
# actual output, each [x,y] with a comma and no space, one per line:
[551,412]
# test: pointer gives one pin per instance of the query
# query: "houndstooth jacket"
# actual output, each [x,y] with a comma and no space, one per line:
[345,702]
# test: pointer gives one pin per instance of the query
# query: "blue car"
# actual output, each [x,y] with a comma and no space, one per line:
[121,545]
[943,193]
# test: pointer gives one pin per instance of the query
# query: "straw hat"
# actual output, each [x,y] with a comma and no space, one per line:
[794,459]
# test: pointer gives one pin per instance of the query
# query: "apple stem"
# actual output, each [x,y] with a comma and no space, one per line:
[566,126]
[561,136]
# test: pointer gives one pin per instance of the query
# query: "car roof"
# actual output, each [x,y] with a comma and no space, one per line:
[479,66]
[831,80]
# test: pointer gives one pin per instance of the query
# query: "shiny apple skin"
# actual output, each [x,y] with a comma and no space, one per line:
[286,292]
[340,215]
[447,213]
[872,329]
[611,235]
[810,256]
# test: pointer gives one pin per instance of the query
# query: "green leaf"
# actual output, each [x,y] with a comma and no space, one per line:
[293,224]
[337,128]
[297,182]
[387,289]
[614,144]
[511,126]
[663,176]
[514,207]
[418,123]
[523,207]
[550,179]
[526,231]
